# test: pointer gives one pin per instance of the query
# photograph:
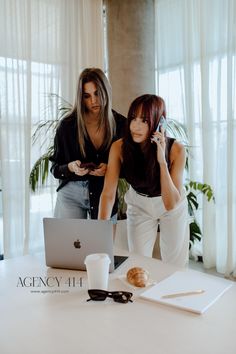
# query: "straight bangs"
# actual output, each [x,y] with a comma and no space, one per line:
[152,108]
[149,114]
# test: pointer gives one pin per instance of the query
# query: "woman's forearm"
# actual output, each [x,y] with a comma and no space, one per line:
[170,194]
[108,195]
[105,206]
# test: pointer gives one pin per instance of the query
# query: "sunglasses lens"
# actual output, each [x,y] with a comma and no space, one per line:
[122,297]
[97,295]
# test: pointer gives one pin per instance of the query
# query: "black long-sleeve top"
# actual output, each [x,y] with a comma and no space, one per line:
[66,149]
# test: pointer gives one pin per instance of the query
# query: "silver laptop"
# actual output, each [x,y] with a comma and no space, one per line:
[68,242]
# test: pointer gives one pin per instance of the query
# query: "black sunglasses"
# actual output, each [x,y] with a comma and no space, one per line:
[117,296]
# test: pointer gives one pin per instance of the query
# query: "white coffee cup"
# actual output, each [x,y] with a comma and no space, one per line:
[97,266]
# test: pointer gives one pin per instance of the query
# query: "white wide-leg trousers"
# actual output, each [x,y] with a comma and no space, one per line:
[144,214]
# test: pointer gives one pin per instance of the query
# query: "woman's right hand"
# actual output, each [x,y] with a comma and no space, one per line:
[74,167]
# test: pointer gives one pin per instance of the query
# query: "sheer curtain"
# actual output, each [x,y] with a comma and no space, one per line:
[44,45]
[196,74]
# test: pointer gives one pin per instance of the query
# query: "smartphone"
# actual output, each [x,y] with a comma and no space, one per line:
[162,123]
[89,165]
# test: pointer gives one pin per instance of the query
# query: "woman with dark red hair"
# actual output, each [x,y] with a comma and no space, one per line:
[153,165]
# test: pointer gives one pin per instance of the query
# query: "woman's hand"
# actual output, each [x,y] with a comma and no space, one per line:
[74,167]
[100,170]
[159,139]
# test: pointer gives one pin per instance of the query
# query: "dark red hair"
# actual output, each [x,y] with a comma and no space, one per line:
[152,107]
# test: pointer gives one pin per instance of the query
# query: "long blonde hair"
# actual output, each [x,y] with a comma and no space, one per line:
[106,118]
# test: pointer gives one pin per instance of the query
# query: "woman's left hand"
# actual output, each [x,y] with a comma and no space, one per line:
[100,171]
[159,139]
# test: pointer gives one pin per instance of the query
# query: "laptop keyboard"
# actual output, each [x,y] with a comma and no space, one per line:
[118,260]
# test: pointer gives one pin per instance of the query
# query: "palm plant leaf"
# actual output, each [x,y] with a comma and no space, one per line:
[39,172]
[45,131]
[123,186]
[192,202]
[47,126]
[195,231]
[177,130]
[203,188]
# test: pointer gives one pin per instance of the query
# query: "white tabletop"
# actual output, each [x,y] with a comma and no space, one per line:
[59,320]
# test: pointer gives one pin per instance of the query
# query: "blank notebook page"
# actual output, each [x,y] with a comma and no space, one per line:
[187,281]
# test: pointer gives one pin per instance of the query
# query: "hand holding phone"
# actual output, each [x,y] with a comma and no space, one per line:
[161,124]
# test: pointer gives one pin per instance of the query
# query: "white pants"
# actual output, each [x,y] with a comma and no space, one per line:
[144,213]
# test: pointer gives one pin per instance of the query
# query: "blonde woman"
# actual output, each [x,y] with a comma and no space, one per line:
[82,145]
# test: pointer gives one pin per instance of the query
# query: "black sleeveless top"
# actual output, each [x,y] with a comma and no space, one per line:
[140,179]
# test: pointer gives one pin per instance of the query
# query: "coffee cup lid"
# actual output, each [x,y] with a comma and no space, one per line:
[96,256]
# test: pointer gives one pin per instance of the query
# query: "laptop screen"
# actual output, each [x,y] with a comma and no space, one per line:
[69,241]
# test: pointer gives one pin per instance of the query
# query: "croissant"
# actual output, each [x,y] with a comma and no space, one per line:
[137,276]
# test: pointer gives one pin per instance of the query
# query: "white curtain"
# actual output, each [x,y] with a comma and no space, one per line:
[44,45]
[196,74]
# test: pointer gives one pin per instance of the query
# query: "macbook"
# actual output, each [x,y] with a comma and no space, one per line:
[68,242]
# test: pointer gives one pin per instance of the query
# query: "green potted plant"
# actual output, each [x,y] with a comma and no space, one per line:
[39,172]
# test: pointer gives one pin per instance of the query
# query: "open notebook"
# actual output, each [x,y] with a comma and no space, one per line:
[208,289]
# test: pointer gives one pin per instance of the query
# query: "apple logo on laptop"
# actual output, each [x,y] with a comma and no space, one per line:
[77,244]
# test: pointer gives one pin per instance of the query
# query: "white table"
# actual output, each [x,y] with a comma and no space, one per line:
[63,322]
